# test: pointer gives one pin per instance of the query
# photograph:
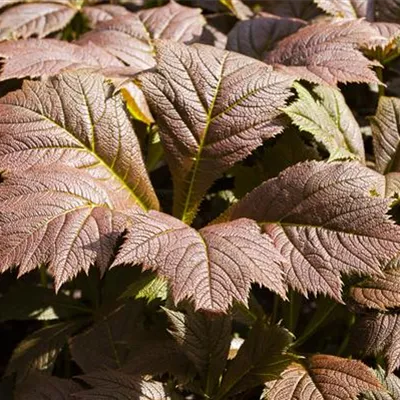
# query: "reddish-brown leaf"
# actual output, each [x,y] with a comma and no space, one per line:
[325,221]
[40,19]
[131,38]
[326,53]
[213,266]
[379,334]
[323,377]
[37,57]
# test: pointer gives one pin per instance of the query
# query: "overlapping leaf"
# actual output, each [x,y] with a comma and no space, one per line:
[106,344]
[39,19]
[219,110]
[386,134]
[60,216]
[390,387]
[261,358]
[304,9]
[38,351]
[37,57]
[75,120]
[388,10]
[131,38]
[103,12]
[120,386]
[43,387]
[348,8]
[66,173]
[325,221]
[379,334]
[323,377]
[380,293]
[328,118]
[326,53]
[257,36]
[212,266]
[205,341]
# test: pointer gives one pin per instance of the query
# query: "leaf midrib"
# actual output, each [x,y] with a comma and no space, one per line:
[90,151]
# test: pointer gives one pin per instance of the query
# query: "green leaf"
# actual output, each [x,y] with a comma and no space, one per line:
[148,287]
[325,114]
[390,389]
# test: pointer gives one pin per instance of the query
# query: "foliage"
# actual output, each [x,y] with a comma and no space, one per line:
[200,199]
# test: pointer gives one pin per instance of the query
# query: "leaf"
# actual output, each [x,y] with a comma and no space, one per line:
[379,334]
[39,19]
[325,114]
[325,221]
[390,389]
[388,10]
[322,377]
[131,38]
[206,341]
[120,386]
[379,293]
[257,36]
[103,12]
[212,266]
[303,9]
[203,117]
[326,53]
[60,216]
[261,358]
[26,301]
[36,57]
[42,387]
[74,119]
[38,351]
[154,352]
[351,9]
[106,344]
[386,135]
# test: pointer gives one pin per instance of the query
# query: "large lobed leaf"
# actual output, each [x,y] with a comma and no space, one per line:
[66,174]
[212,266]
[325,114]
[219,110]
[325,221]
[74,119]
[40,19]
[322,377]
[131,38]
[326,53]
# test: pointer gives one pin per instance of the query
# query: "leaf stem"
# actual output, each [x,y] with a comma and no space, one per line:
[346,339]
[381,87]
